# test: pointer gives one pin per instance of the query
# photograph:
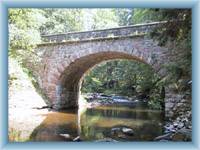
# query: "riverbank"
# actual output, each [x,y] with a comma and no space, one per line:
[179,129]
[99,99]
[23,101]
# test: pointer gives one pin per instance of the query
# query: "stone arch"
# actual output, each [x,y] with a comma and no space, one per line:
[64,63]
[68,79]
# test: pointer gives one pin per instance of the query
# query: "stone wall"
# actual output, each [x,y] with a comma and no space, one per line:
[176,103]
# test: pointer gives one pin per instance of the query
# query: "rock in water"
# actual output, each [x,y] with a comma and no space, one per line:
[67,136]
[106,140]
[115,131]
[182,135]
[178,137]
[163,137]
[175,124]
[128,131]
[77,139]
[180,125]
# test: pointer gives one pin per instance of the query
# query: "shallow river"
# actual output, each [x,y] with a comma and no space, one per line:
[104,122]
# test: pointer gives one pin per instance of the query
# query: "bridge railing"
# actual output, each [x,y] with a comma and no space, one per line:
[138,29]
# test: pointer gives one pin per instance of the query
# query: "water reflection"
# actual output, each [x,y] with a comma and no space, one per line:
[55,126]
[97,123]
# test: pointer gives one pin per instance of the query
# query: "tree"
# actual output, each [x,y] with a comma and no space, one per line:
[111,78]
[125,16]
[61,20]
[24,32]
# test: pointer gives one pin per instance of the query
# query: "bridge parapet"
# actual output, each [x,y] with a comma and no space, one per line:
[139,29]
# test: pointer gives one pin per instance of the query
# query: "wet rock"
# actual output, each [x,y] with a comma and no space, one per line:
[115,131]
[66,136]
[128,131]
[77,139]
[180,125]
[163,140]
[185,120]
[103,100]
[163,137]
[121,132]
[136,100]
[170,131]
[169,128]
[182,135]
[175,124]
[189,127]
[106,140]
[169,105]
[121,135]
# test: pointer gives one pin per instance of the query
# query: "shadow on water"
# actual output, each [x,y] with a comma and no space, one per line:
[56,126]
[99,123]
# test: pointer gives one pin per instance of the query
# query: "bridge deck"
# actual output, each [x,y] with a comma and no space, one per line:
[139,29]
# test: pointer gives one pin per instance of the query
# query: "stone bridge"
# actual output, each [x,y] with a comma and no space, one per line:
[65,58]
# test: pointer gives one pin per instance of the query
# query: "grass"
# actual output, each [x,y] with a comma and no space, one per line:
[16,136]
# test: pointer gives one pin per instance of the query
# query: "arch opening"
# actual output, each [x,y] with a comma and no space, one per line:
[69,87]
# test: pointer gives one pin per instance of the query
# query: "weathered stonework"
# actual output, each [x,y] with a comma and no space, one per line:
[66,58]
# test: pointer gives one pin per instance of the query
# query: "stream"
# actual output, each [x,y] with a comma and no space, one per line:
[112,122]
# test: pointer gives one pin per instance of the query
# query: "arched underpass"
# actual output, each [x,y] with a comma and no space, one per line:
[65,58]
[70,80]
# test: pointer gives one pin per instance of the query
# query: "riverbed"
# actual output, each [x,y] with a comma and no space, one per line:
[101,123]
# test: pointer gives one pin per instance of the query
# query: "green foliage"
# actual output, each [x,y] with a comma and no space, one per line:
[155,103]
[104,18]
[14,135]
[176,34]
[125,16]
[61,20]
[112,76]
[156,96]
[119,77]
[23,30]
[144,15]
[178,27]
[26,25]
[128,78]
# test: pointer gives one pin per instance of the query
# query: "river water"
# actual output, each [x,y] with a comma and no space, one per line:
[101,123]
